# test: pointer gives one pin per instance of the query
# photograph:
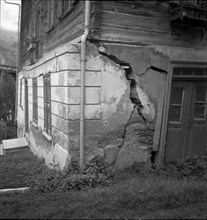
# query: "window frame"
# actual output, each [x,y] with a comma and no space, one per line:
[196,103]
[37,34]
[179,105]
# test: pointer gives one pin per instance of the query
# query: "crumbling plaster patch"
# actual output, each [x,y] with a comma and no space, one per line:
[113,92]
[151,62]
[143,60]
[148,112]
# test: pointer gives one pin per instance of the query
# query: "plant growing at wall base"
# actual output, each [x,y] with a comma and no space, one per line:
[192,167]
[96,173]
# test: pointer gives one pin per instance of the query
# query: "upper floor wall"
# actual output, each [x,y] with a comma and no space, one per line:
[47,24]
[146,23]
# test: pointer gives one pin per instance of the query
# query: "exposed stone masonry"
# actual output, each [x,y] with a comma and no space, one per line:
[137,139]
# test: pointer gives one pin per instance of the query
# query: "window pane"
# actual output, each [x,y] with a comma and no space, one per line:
[201,94]
[187,72]
[59,8]
[47,99]
[176,96]
[198,72]
[176,71]
[199,111]
[174,113]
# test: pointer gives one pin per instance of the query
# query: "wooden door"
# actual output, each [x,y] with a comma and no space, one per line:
[187,127]
[196,140]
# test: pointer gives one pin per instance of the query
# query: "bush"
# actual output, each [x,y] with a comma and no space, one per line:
[95,173]
[195,167]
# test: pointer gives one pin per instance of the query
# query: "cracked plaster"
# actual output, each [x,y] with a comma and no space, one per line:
[150,61]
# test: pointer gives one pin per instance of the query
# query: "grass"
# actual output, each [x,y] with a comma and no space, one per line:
[132,195]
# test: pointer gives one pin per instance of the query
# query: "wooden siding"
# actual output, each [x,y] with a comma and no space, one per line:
[26,21]
[65,29]
[142,22]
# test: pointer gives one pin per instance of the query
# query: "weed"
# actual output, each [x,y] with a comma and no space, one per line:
[96,173]
[192,167]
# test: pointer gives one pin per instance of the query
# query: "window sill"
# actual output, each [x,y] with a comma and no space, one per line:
[61,17]
[49,28]
[34,124]
[47,136]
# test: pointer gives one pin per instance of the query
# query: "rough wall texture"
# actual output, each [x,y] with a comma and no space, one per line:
[130,131]
[118,112]
[53,148]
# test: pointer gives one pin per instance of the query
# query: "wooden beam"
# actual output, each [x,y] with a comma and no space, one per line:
[161,152]
[8,68]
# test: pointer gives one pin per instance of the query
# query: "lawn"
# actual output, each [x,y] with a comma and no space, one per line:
[131,195]
[15,169]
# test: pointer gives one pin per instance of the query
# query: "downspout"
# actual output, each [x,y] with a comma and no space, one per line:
[82,95]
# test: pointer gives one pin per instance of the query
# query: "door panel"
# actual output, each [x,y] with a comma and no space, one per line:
[178,116]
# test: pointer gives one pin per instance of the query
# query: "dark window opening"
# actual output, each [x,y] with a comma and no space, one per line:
[35,104]
[47,104]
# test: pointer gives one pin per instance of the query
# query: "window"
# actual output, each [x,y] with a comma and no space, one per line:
[176,103]
[50,14]
[20,102]
[190,72]
[200,102]
[64,6]
[37,35]
[35,107]
[47,104]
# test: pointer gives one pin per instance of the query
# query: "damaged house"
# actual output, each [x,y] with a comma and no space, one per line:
[126,80]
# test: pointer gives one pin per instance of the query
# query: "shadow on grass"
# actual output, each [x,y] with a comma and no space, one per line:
[132,195]
[15,168]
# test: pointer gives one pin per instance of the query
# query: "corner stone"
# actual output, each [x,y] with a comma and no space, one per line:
[124,159]
[110,154]
[130,154]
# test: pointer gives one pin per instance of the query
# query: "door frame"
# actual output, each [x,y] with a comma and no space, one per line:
[159,160]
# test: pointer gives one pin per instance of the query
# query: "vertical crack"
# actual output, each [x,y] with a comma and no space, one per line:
[126,125]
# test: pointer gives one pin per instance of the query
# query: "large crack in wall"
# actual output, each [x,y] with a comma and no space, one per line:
[134,97]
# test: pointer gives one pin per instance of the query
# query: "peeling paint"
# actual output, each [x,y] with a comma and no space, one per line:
[115,90]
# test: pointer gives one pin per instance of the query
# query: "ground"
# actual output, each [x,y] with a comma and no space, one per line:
[132,194]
